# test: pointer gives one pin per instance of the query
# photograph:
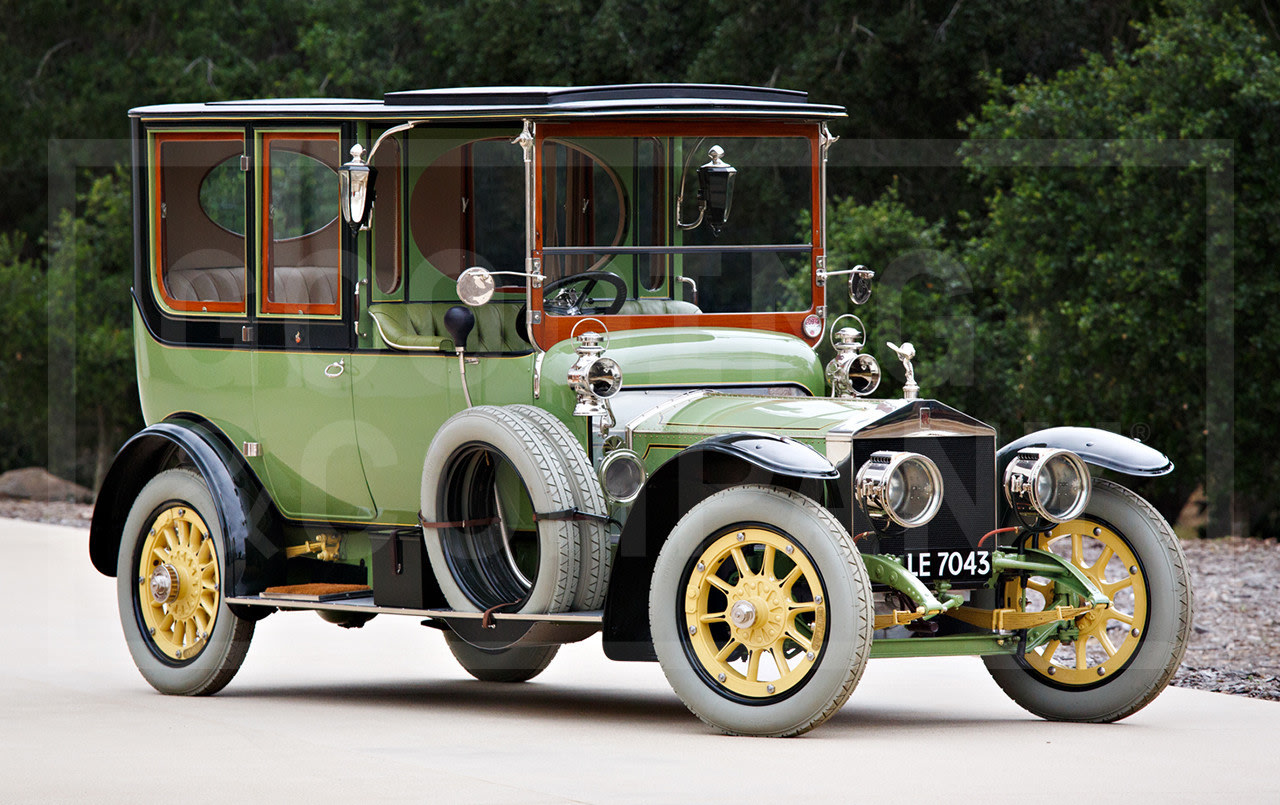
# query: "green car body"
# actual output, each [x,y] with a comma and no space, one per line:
[631,382]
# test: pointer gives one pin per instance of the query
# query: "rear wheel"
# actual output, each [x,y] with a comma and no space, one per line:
[761,612]
[1105,667]
[500,665]
[169,571]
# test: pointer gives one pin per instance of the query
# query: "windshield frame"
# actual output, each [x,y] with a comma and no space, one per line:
[548,330]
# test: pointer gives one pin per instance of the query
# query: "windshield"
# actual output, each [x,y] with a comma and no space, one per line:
[677,224]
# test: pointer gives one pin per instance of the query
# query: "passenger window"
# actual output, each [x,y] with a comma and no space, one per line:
[387,270]
[199,221]
[585,206]
[302,242]
[467,208]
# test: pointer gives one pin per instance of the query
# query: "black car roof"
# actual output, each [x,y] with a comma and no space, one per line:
[666,100]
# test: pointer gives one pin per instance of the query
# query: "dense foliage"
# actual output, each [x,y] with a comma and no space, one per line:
[1127,247]
[1041,283]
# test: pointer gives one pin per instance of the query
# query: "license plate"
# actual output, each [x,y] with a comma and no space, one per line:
[964,565]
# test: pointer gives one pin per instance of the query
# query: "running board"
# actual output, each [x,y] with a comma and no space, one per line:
[504,629]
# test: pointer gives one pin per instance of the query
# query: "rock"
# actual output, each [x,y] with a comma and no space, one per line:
[36,483]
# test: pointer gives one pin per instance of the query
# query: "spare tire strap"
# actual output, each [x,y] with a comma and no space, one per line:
[486,620]
[574,514]
[422,521]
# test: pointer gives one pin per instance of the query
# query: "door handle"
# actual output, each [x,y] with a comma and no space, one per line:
[336,368]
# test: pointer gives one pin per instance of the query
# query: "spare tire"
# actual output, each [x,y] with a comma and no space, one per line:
[486,474]
[593,533]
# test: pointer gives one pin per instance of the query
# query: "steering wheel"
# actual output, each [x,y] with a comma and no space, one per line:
[568,302]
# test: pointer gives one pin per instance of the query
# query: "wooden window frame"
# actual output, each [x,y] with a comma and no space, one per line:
[553,329]
[267,268]
[159,138]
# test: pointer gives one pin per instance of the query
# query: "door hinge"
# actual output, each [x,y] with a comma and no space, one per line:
[244,163]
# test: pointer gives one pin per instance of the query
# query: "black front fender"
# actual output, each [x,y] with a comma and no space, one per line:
[778,454]
[254,558]
[1101,448]
[690,477]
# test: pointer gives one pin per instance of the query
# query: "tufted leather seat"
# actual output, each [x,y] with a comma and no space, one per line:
[304,285]
[206,284]
[656,307]
[418,326]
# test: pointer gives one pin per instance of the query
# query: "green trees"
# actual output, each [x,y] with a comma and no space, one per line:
[66,365]
[1114,269]
[23,357]
[1126,247]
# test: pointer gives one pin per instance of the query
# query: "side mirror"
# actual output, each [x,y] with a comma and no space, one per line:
[715,189]
[355,180]
[476,286]
[859,282]
[860,285]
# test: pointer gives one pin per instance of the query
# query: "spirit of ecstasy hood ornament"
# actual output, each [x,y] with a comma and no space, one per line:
[910,390]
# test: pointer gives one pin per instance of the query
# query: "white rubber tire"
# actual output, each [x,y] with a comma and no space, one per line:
[225,648]
[538,464]
[596,557]
[1166,631]
[501,665]
[849,606]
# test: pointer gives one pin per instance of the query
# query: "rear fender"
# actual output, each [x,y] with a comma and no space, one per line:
[676,487]
[254,556]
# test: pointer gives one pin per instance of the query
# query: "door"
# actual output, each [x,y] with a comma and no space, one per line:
[302,364]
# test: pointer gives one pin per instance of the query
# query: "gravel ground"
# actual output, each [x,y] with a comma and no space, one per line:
[1235,624]
[1230,650]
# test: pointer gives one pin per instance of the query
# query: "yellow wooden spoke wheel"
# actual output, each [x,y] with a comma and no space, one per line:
[755,612]
[1104,641]
[761,612]
[178,583]
[169,574]
[1109,665]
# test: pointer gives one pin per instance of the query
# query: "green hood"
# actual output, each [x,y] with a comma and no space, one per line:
[804,418]
[699,357]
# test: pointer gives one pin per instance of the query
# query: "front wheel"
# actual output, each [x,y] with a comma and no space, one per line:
[761,612]
[1105,667]
[182,635]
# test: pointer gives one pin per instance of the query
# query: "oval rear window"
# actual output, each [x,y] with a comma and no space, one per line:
[222,195]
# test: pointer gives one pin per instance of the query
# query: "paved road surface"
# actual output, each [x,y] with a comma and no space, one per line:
[322,714]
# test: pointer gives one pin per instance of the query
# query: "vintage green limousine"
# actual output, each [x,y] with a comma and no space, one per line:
[534,363]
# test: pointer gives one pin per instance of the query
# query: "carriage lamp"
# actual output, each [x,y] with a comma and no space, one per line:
[851,373]
[715,188]
[356,180]
[593,377]
[1047,485]
[898,490]
[622,475]
[715,192]
[355,183]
